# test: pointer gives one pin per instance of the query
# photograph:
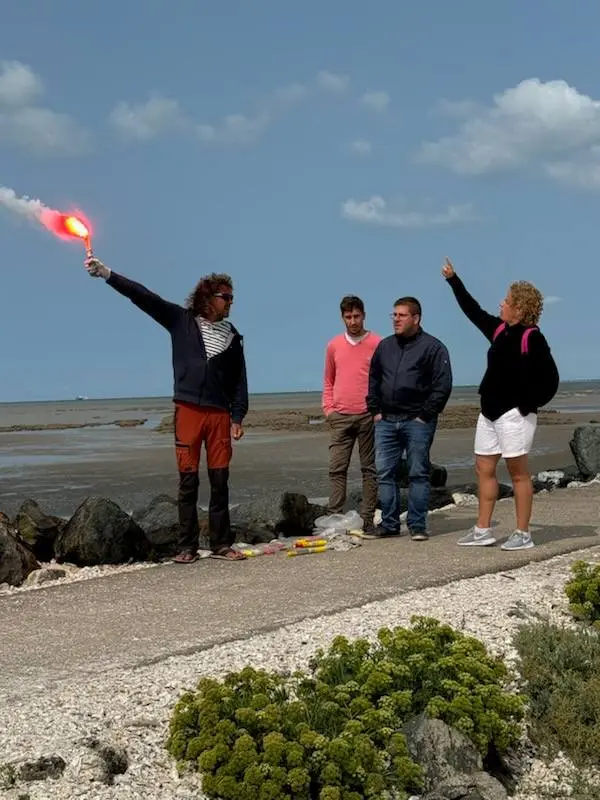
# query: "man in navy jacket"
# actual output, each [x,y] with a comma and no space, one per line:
[410,381]
[210,393]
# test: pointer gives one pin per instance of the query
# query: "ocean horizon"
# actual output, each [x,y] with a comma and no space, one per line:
[586,386]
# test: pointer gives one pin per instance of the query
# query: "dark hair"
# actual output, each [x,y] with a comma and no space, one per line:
[411,302]
[205,290]
[351,303]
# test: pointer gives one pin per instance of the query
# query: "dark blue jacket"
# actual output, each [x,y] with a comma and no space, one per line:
[410,377]
[219,382]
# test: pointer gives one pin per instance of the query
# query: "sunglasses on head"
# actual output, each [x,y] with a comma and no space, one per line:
[227,296]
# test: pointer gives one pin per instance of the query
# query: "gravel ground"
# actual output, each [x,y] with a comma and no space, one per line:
[131,708]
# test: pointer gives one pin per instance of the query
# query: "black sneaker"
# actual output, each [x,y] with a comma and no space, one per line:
[419,536]
[384,533]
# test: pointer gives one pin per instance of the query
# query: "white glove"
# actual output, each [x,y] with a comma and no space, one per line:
[96,268]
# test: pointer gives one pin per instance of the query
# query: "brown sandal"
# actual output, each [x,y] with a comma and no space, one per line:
[185,558]
[228,554]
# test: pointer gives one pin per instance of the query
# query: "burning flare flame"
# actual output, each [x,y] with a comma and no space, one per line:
[67,226]
[76,227]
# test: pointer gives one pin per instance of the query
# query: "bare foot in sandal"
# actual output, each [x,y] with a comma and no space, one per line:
[227,554]
[185,557]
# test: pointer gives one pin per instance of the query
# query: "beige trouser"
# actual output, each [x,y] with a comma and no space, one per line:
[344,431]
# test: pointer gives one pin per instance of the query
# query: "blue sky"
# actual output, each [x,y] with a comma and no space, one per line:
[311,150]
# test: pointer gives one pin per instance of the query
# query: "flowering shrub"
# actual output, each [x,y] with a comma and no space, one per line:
[335,732]
[583,591]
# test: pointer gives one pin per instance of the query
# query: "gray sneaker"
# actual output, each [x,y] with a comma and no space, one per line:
[520,540]
[475,538]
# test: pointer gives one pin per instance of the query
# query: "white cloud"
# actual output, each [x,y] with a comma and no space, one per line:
[19,84]
[361,147]
[43,132]
[289,95]
[244,129]
[551,125]
[39,130]
[234,129]
[377,101]
[144,121]
[160,115]
[375,211]
[333,82]
[582,170]
[551,300]
[457,108]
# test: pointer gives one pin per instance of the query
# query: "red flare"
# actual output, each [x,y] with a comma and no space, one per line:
[67,226]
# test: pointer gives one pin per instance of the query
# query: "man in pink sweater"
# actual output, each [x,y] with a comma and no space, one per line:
[345,388]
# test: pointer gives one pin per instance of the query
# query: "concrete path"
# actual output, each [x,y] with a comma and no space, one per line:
[135,618]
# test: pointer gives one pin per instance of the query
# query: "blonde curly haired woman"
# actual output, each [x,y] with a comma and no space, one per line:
[521,376]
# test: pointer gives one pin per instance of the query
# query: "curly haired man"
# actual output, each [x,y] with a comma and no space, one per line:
[210,395]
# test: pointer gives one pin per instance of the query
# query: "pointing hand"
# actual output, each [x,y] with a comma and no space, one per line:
[448,270]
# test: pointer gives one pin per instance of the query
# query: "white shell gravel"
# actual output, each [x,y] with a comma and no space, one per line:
[131,707]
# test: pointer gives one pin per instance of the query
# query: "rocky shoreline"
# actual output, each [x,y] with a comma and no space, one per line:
[38,549]
[34,545]
[312,419]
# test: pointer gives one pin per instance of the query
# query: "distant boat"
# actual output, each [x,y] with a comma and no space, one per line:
[82,397]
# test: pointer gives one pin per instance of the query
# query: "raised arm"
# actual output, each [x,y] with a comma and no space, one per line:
[441,384]
[375,373]
[487,323]
[162,311]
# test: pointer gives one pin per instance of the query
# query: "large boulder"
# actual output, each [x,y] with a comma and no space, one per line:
[99,532]
[452,765]
[17,560]
[288,514]
[160,522]
[38,529]
[585,446]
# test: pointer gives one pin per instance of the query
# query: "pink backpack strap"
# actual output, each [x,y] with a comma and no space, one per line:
[498,331]
[525,340]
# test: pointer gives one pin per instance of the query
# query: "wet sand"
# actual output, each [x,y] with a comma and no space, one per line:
[131,465]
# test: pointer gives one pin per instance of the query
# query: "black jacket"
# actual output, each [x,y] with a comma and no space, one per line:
[219,382]
[409,377]
[512,379]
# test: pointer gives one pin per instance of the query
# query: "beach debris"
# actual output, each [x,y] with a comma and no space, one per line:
[306,551]
[463,499]
[42,768]
[45,575]
[97,762]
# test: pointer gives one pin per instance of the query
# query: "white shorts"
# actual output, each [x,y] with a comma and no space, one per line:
[510,436]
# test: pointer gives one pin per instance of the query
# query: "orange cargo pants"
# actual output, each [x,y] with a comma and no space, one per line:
[196,426]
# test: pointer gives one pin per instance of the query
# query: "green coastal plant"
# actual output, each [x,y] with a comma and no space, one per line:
[583,591]
[334,733]
[561,670]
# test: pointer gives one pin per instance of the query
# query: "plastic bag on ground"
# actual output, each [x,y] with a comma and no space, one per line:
[351,521]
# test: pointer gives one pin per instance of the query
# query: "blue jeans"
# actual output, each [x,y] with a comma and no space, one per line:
[393,436]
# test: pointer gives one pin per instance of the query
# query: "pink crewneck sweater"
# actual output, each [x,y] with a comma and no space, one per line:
[346,378]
